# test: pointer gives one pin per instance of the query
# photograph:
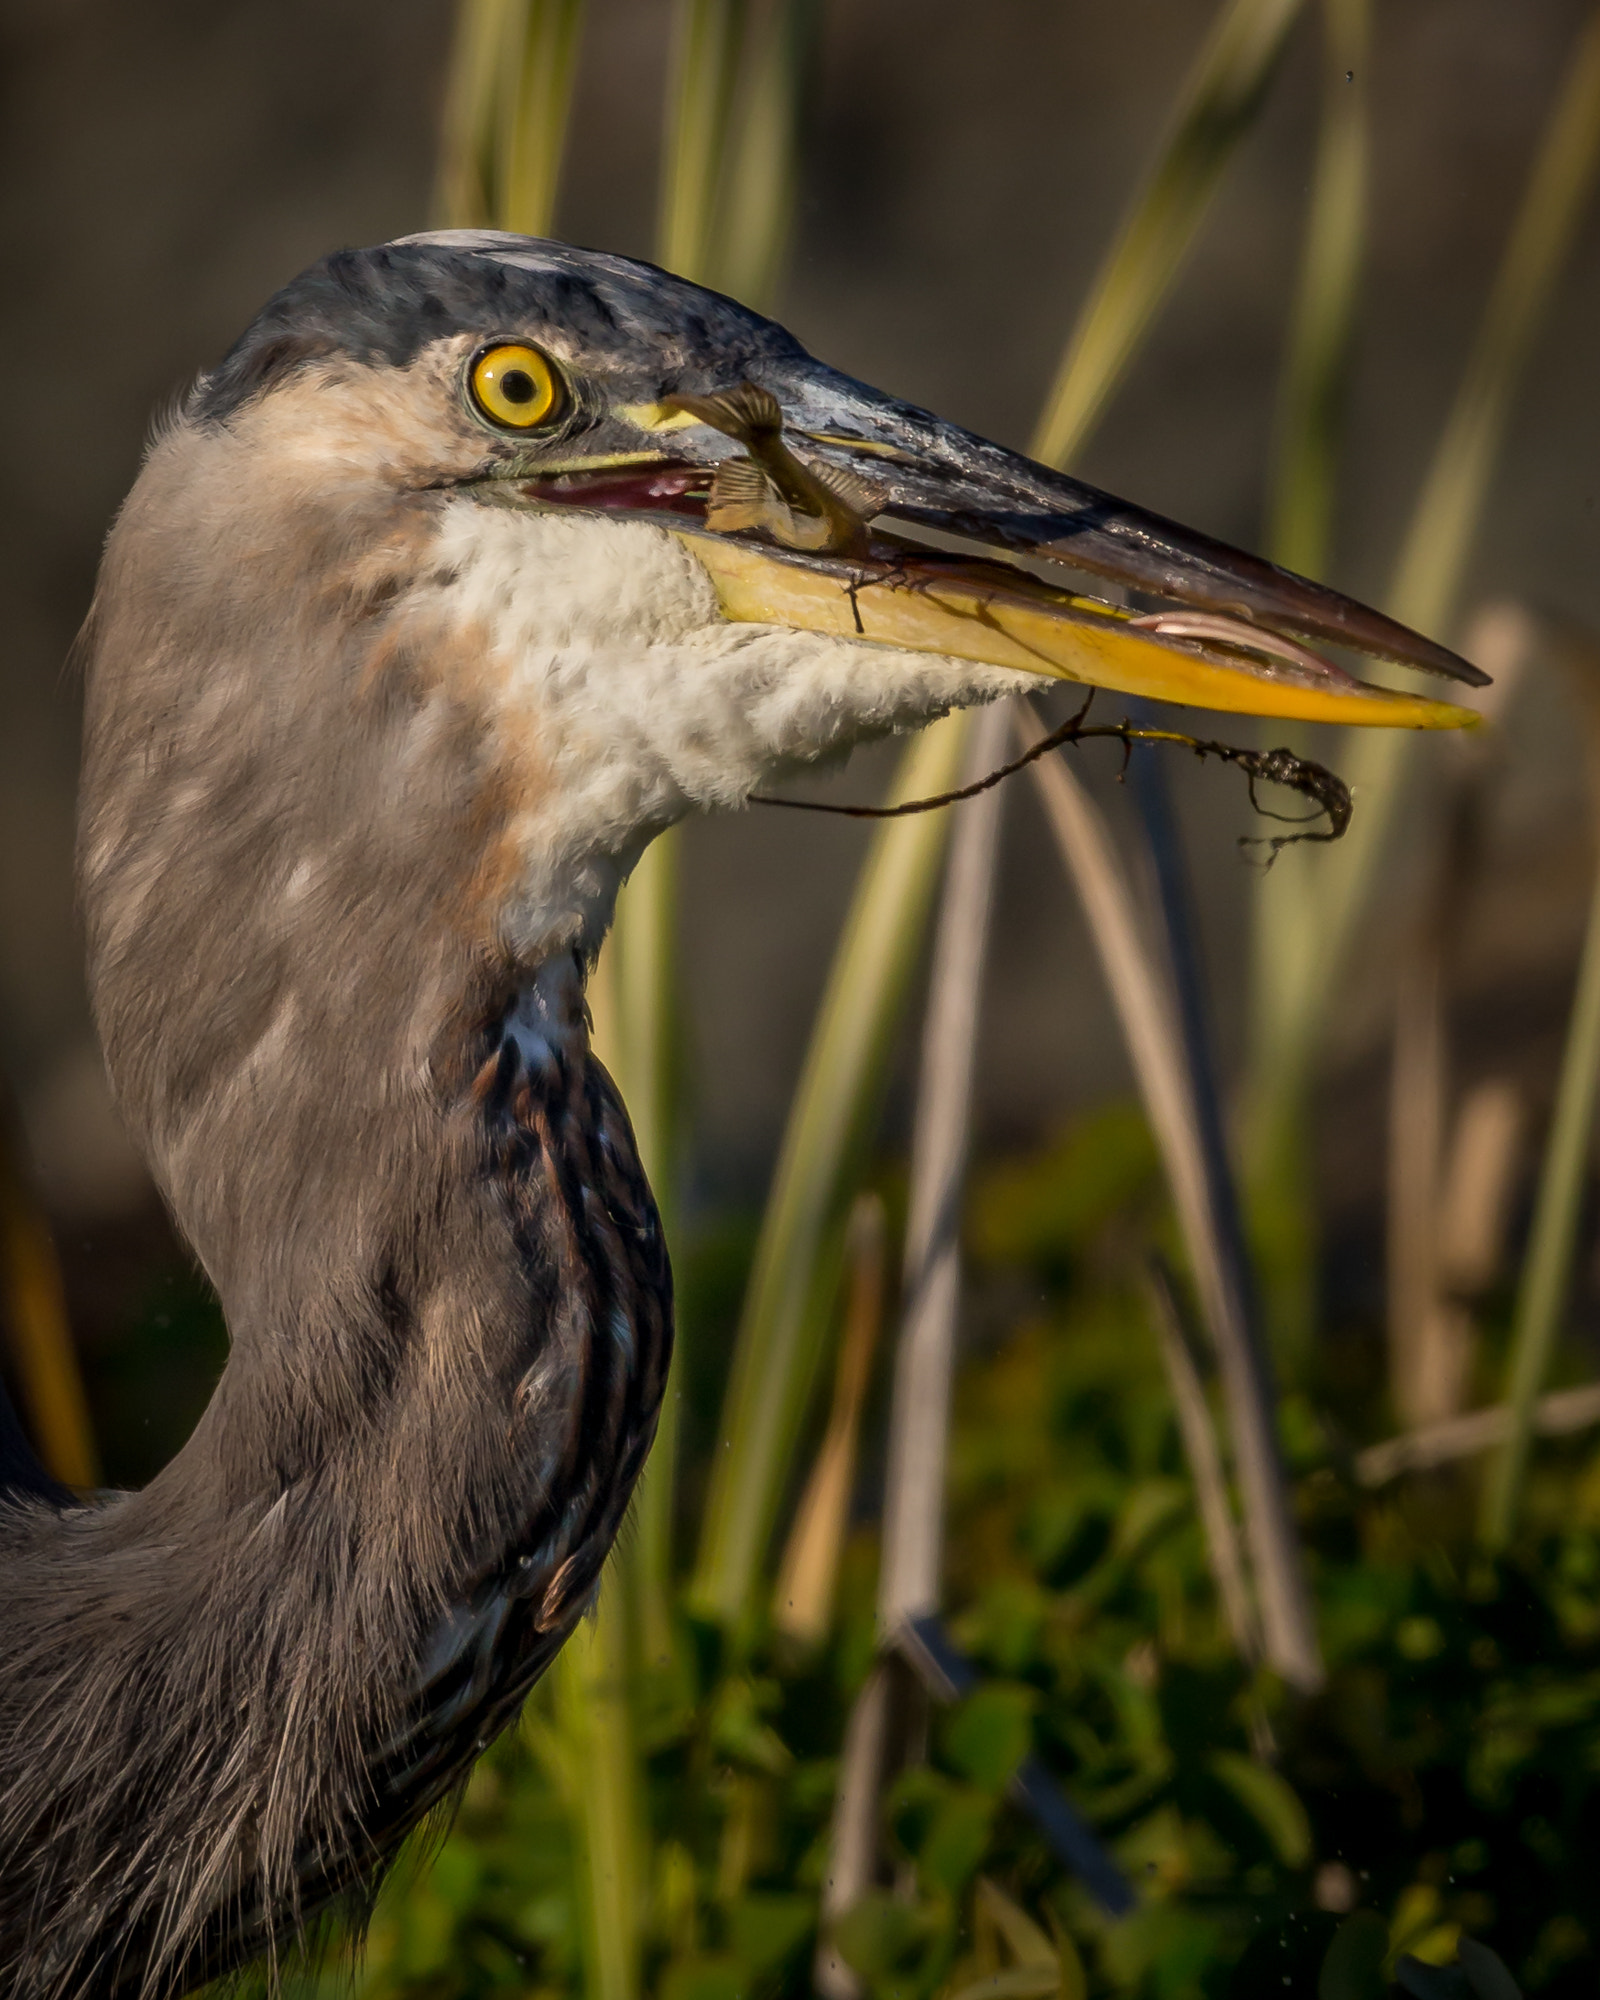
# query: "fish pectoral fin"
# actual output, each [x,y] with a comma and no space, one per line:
[754,409]
[741,479]
[858,496]
[742,412]
[742,496]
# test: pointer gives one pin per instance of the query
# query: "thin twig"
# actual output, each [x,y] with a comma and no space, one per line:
[945,1675]
[1327,791]
[1223,1551]
[1557,1414]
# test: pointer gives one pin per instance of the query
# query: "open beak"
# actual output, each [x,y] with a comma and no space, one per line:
[843,481]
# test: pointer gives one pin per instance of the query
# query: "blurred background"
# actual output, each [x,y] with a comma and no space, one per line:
[169,166]
[961,174]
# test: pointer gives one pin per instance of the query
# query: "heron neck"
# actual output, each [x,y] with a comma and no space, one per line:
[266,1666]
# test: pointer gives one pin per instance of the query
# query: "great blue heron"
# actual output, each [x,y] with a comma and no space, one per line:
[474,564]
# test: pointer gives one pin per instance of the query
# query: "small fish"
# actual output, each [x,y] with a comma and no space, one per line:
[813,507]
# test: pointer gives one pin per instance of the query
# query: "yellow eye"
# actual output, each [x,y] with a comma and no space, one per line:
[515,386]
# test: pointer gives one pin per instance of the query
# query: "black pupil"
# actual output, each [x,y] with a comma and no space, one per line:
[516,385]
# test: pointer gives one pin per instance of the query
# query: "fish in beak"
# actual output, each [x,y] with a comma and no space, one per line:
[816,502]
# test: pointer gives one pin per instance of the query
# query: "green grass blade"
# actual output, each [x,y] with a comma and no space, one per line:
[1306,960]
[1546,1275]
[831,1121]
[634,999]
[1317,367]
[539,61]
[594,1715]
[1217,106]
[762,167]
[465,179]
[707,39]
[1547,1272]
[1311,411]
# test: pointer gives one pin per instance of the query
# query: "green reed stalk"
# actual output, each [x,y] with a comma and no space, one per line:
[637,1034]
[600,1765]
[1547,1271]
[539,62]
[507,106]
[776,1357]
[707,38]
[1217,106]
[1303,965]
[1311,412]
[832,1117]
[465,178]
[763,159]
[1317,367]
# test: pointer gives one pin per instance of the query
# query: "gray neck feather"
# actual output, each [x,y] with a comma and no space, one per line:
[224,1698]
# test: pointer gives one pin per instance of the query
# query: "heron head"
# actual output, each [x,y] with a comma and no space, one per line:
[535,550]
[477,562]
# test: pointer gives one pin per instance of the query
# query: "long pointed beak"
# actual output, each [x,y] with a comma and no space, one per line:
[1211,626]
[1002,617]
